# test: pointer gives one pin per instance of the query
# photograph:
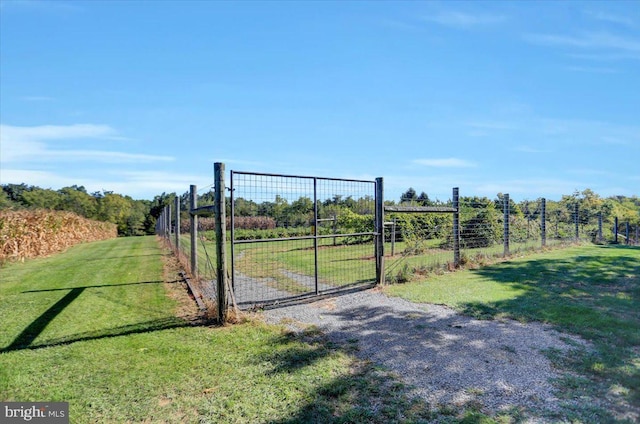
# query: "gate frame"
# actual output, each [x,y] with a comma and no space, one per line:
[378,233]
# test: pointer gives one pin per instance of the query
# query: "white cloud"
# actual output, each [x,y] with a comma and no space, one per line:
[609,17]
[465,20]
[41,179]
[37,144]
[141,184]
[592,70]
[589,41]
[491,125]
[529,149]
[534,187]
[445,163]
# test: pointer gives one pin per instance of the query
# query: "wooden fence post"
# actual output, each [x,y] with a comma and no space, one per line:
[193,204]
[543,221]
[600,227]
[576,220]
[505,207]
[627,233]
[177,225]
[615,230]
[221,240]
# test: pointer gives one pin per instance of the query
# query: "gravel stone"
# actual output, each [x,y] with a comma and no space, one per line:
[447,359]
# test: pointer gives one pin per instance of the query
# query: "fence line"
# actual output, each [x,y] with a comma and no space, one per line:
[408,238]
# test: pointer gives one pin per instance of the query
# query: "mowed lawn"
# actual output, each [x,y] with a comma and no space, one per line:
[98,327]
[591,291]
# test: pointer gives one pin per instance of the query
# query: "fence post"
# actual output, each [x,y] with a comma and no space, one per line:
[169,224]
[576,220]
[627,233]
[193,204]
[543,221]
[177,224]
[164,222]
[221,240]
[615,230]
[393,236]
[600,227]
[456,227]
[637,233]
[379,229]
[505,207]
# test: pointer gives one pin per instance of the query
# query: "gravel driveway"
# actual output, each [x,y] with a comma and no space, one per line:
[447,358]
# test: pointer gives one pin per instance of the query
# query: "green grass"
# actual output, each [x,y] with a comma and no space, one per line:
[591,291]
[94,326]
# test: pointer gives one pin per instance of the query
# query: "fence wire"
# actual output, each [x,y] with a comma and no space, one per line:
[296,236]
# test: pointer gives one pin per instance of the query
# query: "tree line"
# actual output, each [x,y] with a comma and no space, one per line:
[138,217]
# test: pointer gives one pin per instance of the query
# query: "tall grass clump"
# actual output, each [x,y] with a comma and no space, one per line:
[33,233]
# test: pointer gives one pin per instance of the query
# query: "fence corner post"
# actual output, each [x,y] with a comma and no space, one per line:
[456,227]
[379,230]
[505,207]
[221,239]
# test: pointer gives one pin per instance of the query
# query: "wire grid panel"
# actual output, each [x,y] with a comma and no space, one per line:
[481,227]
[296,236]
[525,226]
[417,242]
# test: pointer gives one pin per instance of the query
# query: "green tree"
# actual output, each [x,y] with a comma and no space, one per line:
[408,196]
[76,199]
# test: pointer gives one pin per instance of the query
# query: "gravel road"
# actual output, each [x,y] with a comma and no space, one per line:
[447,358]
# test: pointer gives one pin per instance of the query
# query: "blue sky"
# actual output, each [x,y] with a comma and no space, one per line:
[534,99]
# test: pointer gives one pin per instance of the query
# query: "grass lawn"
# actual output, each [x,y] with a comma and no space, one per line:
[591,291]
[98,326]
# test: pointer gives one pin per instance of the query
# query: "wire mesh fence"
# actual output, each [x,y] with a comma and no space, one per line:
[417,243]
[296,236]
[292,237]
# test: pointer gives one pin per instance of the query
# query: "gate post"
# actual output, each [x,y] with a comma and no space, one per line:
[456,227]
[315,235]
[193,204]
[221,240]
[615,231]
[379,229]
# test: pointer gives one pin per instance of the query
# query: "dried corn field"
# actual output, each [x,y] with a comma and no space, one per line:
[33,233]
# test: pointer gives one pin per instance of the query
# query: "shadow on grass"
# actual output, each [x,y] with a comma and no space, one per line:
[366,394]
[124,330]
[595,296]
[25,339]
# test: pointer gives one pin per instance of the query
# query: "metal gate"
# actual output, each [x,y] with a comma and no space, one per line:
[294,237]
